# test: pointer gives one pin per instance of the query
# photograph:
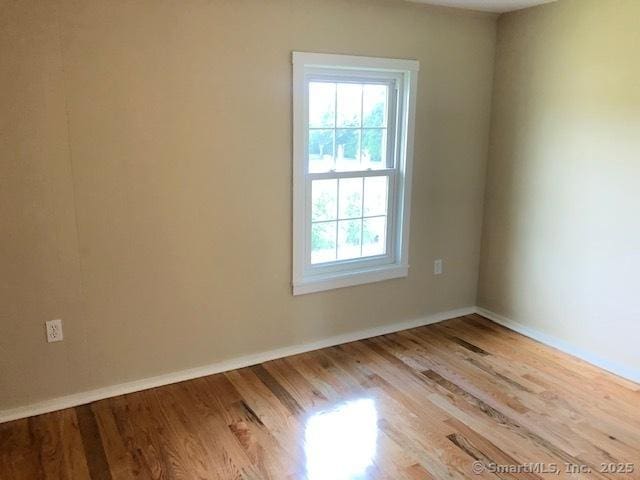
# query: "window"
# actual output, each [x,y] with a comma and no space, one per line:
[353,146]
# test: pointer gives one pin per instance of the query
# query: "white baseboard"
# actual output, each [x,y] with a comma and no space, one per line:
[239,362]
[562,345]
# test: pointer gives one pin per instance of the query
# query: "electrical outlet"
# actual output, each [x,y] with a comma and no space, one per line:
[437,267]
[54,331]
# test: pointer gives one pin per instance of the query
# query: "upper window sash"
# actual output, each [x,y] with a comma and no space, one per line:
[391,80]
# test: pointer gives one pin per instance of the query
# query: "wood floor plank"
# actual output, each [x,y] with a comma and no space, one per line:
[20,451]
[92,442]
[481,449]
[532,415]
[578,384]
[59,445]
[308,397]
[119,457]
[421,404]
[277,389]
[549,442]
[230,429]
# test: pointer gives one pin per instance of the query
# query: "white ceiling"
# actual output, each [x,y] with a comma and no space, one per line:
[497,6]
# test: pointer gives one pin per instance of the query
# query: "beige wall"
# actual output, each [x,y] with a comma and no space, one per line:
[561,238]
[145,169]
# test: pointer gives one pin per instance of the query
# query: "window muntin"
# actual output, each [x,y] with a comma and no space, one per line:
[353,123]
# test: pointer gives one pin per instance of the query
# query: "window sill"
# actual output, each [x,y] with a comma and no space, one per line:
[350,279]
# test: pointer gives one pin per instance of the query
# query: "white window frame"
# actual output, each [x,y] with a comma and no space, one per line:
[403,76]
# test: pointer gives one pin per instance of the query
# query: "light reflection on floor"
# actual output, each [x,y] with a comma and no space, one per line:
[340,444]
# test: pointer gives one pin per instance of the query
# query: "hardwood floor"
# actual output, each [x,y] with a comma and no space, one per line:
[420,404]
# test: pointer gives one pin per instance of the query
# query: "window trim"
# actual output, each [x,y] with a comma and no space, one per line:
[392,264]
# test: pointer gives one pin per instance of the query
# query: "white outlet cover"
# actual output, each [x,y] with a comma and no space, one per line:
[437,267]
[54,331]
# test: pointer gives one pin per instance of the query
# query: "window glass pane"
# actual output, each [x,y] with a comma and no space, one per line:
[324,199]
[348,147]
[321,150]
[350,198]
[374,233]
[349,104]
[323,242]
[322,104]
[374,106]
[374,148]
[349,234]
[375,196]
